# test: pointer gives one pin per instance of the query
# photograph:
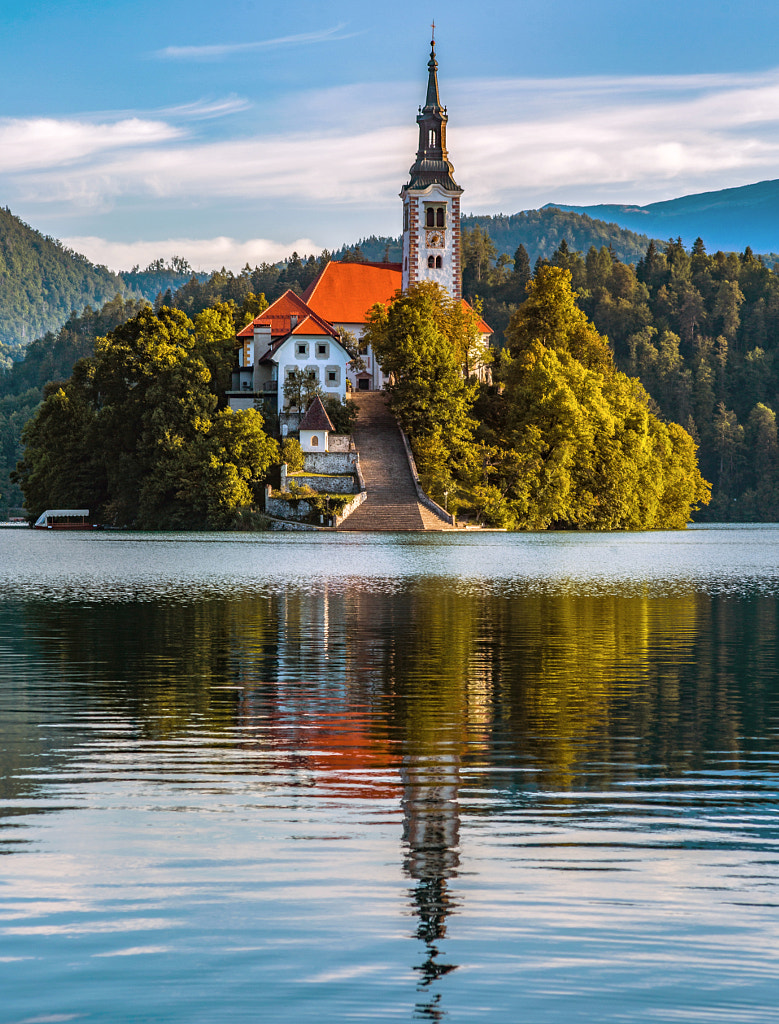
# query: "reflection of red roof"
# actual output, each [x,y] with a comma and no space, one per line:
[352,760]
[280,317]
[316,417]
[344,292]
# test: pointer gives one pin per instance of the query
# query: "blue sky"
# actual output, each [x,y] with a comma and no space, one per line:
[235,131]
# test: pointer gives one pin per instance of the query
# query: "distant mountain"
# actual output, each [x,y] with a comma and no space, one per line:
[540,231]
[730,219]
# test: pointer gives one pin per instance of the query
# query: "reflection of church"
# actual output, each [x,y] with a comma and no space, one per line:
[302,332]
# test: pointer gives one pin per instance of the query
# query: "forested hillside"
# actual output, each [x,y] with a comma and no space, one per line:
[42,282]
[540,231]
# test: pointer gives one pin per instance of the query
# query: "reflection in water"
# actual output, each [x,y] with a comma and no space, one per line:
[458,708]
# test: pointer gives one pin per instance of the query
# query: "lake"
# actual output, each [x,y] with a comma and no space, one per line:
[442,777]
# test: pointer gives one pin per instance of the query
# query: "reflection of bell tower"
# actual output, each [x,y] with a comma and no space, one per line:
[431,200]
[431,828]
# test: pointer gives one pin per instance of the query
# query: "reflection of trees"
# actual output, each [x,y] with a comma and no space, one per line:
[556,679]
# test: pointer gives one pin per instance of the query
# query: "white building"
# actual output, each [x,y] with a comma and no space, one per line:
[287,336]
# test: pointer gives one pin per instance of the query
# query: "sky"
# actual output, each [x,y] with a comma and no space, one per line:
[237,131]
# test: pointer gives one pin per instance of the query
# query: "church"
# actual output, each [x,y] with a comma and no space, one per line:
[302,332]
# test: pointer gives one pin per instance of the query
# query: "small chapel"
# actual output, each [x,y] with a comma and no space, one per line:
[302,332]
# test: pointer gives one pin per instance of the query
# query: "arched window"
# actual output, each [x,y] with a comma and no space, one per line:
[438,262]
[430,215]
[439,217]
[314,441]
[431,261]
[431,137]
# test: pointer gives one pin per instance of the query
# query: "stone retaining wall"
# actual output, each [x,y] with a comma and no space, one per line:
[323,484]
[330,462]
[423,499]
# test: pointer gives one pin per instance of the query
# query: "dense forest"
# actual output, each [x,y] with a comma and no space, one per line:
[539,231]
[42,283]
[560,439]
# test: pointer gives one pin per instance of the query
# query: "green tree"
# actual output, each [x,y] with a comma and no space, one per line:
[597,457]
[136,431]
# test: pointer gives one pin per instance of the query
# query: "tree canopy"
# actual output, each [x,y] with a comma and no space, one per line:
[137,433]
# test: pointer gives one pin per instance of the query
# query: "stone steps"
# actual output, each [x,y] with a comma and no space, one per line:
[392,503]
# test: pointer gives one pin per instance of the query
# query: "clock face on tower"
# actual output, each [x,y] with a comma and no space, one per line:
[435,239]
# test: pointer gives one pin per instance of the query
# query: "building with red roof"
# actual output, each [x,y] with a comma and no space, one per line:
[302,334]
[286,338]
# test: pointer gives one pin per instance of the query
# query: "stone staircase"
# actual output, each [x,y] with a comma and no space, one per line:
[392,500]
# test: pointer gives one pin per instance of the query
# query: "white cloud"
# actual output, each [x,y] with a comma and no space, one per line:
[214,51]
[202,253]
[46,142]
[515,144]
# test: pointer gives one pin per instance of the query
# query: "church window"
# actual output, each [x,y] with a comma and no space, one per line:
[431,261]
[314,441]
[439,217]
[405,217]
[431,137]
[430,217]
[438,262]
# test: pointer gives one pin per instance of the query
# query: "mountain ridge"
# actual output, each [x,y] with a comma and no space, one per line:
[729,219]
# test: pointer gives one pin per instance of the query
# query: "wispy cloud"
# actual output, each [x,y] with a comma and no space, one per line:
[27,143]
[202,110]
[202,253]
[515,144]
[215,51]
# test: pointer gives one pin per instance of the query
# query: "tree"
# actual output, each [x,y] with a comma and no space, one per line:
[413,346]
[413,341]
[594,454]
[136,433]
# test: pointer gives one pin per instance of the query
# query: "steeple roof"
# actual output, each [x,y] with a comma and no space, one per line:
[432,165]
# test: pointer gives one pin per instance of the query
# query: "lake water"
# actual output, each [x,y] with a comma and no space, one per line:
[315,777]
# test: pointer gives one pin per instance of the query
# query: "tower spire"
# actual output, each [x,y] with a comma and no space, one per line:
[432,101]
[431,199]
[432,163]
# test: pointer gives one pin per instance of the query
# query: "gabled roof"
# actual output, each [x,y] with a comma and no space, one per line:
[279,315]
[344,292]
[316,417]
[288,315]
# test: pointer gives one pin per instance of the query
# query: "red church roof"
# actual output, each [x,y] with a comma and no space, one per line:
[481,325]
[344,292]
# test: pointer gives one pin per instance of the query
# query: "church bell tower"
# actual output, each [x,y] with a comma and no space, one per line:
[431,200]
